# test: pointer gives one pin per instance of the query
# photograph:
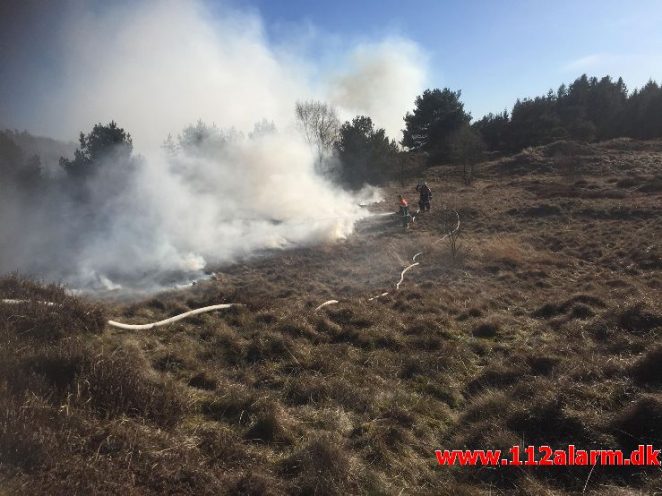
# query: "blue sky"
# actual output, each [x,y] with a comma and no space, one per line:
[494,51]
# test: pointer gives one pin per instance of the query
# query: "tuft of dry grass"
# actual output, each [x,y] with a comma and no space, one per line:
[510,251]
[320,468]
[62,314]
[640,422]
[648,368]
[486,329]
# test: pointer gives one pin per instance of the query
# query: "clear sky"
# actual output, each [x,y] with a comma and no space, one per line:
[494,51]
[497,51]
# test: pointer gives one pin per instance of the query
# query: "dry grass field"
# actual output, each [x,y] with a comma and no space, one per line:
[545,328]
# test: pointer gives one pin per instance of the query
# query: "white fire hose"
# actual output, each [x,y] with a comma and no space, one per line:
[151,325]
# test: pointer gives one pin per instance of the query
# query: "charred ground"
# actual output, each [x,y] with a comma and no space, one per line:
[545,329]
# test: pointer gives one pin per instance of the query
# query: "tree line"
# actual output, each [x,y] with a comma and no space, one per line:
[438,130]
[588,109]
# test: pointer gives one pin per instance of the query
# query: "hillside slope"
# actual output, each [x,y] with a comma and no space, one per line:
[544,329]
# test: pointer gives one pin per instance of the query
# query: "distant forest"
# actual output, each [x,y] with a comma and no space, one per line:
[588,109]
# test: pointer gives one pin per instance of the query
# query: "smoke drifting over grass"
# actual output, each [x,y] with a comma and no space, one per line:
[146,222]
[155,67]
[219,203]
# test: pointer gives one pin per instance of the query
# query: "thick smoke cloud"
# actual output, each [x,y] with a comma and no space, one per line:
[155,67]
[381,78]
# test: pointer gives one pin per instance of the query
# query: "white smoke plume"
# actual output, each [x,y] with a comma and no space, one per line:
[381,78]
[155,67]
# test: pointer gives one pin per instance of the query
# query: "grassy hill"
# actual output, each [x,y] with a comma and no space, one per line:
[545,328]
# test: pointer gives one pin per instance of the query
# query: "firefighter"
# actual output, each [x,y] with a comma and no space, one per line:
[404,211]
[425,197]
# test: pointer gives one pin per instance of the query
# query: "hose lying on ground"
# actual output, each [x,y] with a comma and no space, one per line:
[181,316]
[18,302]
[151,325]
[402,274]
[378,296]
[329,302]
